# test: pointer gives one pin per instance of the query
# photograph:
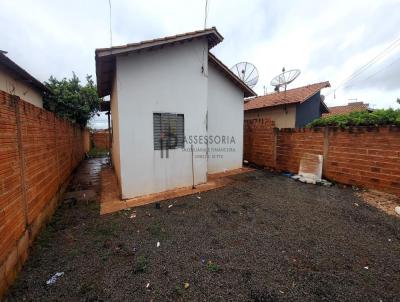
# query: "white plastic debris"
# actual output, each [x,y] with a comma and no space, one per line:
[148,285]
[397,210]
[54,278]
[356,204]
[390,240]
[158,243]
[198,197]
[170,206]
[133,215]
[366,267]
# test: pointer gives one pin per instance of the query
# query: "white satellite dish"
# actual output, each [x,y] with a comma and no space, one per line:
[247,72]
[285,78]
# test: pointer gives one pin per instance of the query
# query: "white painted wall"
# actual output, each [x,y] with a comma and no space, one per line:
[225,118]
[164,80]
[115,151]
[10,84]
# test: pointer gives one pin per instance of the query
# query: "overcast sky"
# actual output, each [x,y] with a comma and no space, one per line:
[326,40]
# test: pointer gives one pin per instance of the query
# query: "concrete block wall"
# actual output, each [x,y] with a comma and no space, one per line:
[364,156]
[38,153]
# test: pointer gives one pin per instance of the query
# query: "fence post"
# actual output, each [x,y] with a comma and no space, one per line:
[326,150]
[15,100]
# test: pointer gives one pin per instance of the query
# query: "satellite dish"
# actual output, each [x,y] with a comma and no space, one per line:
[247,72]
[285,78]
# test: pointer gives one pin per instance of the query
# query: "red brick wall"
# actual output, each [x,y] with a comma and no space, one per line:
[38,152]
[259,142]
[363,156]
[101,140]
[293,143]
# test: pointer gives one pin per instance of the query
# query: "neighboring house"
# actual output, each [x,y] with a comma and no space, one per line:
[350,107]
[17,81]
[168,96]
[293,108]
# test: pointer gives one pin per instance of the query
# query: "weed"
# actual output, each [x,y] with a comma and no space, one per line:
[141,264]
[213,267]
[156,230]
[73,253]
[96,152]
[178,289]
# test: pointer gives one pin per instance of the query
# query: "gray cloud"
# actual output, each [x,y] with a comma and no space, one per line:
[327,40]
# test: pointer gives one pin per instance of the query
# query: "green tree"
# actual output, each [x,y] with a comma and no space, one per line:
[72,100]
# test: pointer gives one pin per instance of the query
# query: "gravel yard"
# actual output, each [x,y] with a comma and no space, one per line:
[263,238]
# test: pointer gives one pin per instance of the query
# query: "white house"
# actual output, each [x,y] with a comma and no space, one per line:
[17,81]
[177,112]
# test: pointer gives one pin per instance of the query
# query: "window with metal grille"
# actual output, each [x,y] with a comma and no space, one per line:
[168,131]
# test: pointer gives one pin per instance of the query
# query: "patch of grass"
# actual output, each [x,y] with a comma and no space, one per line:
[106,231]
[73,253]
[213,267]
[141,264]
[156,230]
[96,152]
[178,289]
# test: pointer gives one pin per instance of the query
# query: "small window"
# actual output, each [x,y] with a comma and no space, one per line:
[168,131]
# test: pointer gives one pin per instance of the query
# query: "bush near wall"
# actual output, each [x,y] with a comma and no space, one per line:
[363,156]
[375,118]
[38,152]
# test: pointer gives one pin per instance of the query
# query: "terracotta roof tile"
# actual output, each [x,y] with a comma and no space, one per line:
[291,96]
[350,107]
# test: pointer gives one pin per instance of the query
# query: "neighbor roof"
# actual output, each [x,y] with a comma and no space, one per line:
[21,73]
[291,96]
[248,92]
[350,107]
[105,57]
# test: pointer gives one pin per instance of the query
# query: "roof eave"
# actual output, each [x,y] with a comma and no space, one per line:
[23,74]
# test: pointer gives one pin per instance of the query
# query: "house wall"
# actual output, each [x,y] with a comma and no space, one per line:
[10,84]
[164,80]
[225,119]
[308,111]
[283,117]
[115,144]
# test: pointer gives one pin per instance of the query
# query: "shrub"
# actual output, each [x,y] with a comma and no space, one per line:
[363,118]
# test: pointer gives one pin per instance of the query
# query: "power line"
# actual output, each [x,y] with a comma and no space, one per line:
[205,14]
[367,65]
[109,4]
[380,70]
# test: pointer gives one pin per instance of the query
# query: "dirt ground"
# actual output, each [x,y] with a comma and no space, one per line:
[264,238]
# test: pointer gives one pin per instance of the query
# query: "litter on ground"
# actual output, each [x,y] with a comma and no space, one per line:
[54,278]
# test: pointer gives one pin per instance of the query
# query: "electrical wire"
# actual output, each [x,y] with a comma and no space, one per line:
[205,14]
[109,4]
[375,73]
[359,71]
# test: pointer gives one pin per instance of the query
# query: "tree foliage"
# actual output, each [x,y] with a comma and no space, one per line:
[363,118]
[72,100]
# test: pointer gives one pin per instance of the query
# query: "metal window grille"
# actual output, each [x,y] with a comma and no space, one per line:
[168,131]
